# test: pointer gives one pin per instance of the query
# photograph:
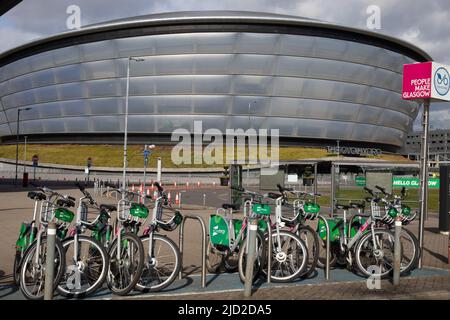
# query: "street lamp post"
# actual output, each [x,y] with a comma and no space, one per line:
[17,140]
[126,124]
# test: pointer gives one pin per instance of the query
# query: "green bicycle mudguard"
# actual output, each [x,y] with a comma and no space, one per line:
[64,214]
[334,232]
[218,231]
[392,212]
[311,207]
[22,241]
[260,208]
[139,210]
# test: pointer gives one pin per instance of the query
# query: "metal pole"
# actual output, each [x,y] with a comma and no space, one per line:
[269,255]
[327,258]
[50,261]
[125,140]
[145,168]
[158,173]
[17,144]
[204,200]
[397,252]
[251,252]
[25,155]
[315,182]
[333,170]
[424,176]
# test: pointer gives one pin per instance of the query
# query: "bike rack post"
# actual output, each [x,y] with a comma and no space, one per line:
[50,261]
[397,251]
[251,249]
[327,261]
[269,255]
[181,242]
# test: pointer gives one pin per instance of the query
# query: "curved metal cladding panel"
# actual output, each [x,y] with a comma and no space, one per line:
[307,86]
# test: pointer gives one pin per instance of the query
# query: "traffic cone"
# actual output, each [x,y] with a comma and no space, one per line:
[169,197]
[132,187]
[198,184]
[175,184]
[187,184]
[177,199]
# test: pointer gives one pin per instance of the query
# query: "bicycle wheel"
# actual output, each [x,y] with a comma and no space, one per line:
[260,258]
[214,259]
[126,270]
[410,251]
[231,262]
[162,268]
[375,253]
[32,271]
[85,274]
[311,240]
[289,257]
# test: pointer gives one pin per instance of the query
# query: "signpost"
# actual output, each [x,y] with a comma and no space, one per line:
[426,82]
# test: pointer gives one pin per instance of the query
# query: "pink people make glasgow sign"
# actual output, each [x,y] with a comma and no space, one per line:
[427,80]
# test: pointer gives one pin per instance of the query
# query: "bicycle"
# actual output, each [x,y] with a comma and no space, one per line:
[162,261]
[289,253]
[86,258]
[226,235]
[363,247]
[33,265]
[393,209]
[303,209]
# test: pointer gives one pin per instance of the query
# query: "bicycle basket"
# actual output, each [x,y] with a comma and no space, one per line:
[173,223]
[139,210]
[260,208]
[310,210]
[64,214]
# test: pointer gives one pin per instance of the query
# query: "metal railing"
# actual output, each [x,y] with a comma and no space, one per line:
[203,253]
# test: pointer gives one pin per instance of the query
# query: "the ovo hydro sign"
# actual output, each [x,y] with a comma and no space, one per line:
[427,80]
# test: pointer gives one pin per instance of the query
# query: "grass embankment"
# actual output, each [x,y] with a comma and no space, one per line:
[112,155]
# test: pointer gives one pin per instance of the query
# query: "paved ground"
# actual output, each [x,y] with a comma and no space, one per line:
[15,207]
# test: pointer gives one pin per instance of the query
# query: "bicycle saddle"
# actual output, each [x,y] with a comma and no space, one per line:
[65,203]
[108,207]
[342,206]
[230,206]
[357,205]
[36,195]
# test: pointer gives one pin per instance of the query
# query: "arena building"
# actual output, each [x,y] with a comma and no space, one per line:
[314,81]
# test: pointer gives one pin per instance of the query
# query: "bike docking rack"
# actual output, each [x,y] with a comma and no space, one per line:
[327,259]
[181,244]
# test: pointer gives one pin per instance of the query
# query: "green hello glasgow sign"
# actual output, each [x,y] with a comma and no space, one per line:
[397,182]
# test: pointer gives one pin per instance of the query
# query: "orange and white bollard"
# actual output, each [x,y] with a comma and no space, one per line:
[198,184]
[175,184]
[132,187]
[187,184]
[169,197]
[177,199]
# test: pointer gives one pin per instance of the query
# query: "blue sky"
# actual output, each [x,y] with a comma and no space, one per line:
[423,23]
